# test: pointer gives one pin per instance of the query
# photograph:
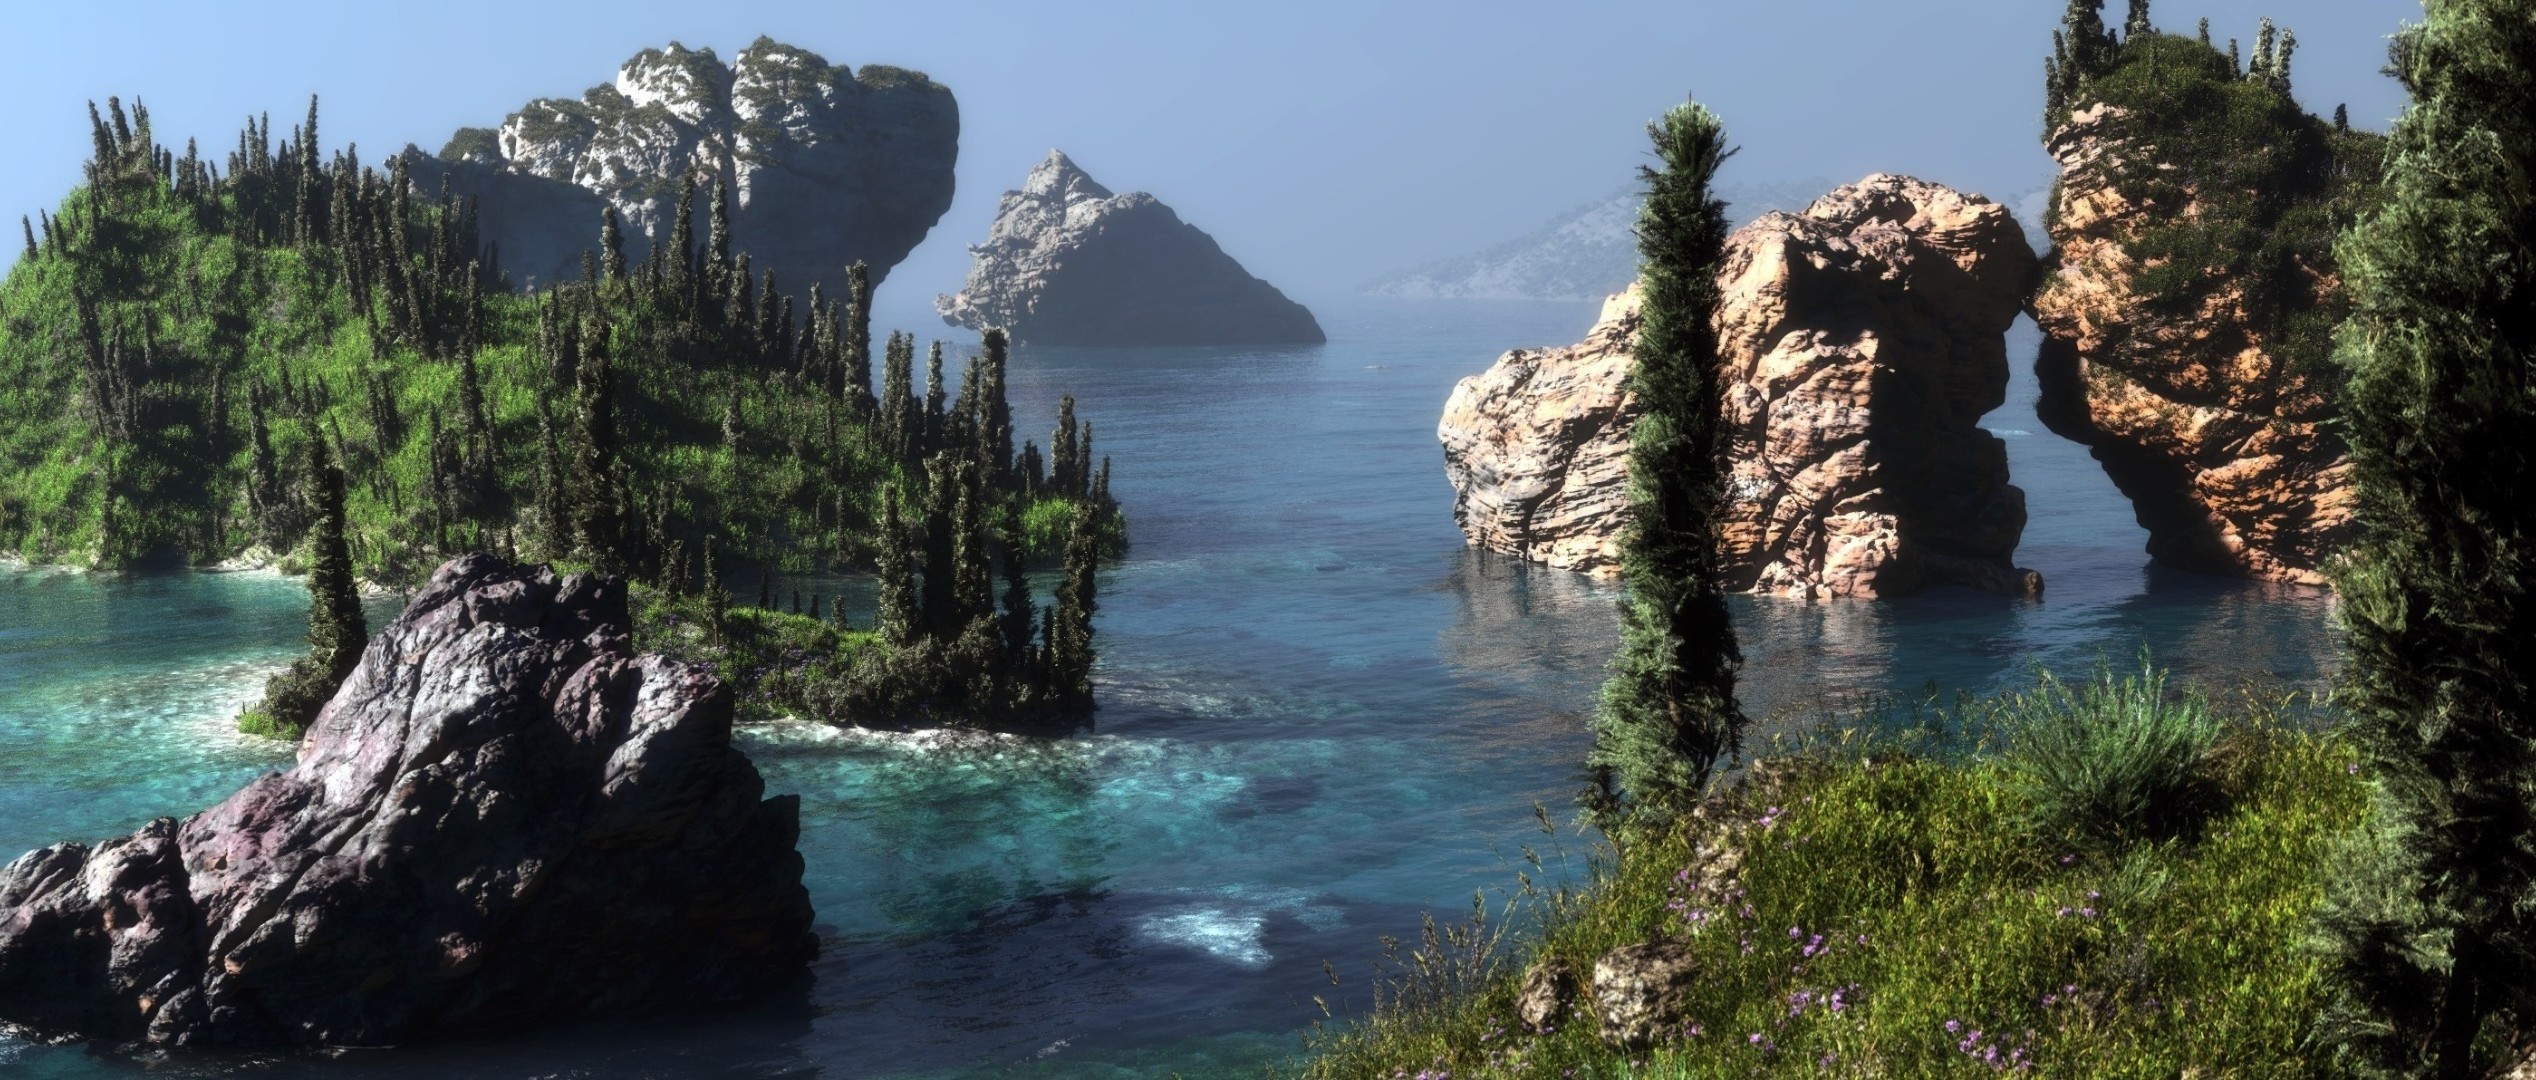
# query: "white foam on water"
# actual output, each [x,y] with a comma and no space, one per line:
[1229,936]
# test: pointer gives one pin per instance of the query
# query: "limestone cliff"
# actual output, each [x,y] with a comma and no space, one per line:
[1068,263]
[827,165]
[2191,302]
[1862,339]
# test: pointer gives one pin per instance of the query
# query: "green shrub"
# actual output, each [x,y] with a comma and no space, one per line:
[2111,760]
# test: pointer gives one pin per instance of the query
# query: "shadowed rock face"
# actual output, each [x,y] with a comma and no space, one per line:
[827,166]
[1861,342]
[504,819]
[1068,263]
[2222,445]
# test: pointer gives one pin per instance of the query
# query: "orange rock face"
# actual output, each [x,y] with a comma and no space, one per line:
[2218,441]
[1863,340]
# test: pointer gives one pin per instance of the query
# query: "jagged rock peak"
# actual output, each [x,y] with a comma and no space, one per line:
[827,164]
[1061,178]
[1067,262]
[505,818]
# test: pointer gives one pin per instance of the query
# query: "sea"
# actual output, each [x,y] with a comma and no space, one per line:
[1322,719]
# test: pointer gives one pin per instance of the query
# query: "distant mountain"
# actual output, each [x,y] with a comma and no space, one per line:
[1590,252]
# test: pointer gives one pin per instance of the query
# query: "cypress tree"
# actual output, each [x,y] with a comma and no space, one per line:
[2432,934]
[718,236]
[601,500]
[2137,24]
[2342,118]
[933,399]
[2205,31]
[941,547]
[336,628]
[1018,616]
[1064,467]
[29,225]
[611,244]
[815,601]
[995,414]
[899,424]
[681,259]
[1070,637]
[858,337]
[1668,710]
[899,618]
[973,565]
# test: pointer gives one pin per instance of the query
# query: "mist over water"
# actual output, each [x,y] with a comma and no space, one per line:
[1320,716]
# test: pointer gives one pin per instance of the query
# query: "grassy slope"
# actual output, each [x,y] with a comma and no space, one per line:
[1959,938]
[168,273]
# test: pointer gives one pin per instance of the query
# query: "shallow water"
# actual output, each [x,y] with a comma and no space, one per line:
[1320,716]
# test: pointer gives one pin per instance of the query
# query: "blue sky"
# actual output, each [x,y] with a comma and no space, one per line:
[1320,142]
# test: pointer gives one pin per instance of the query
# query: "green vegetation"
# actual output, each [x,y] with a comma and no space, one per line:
[2431,927]
[337,631]
[1668,709]
[181,337]
[1865,904]
[2270,186]
[2114,761]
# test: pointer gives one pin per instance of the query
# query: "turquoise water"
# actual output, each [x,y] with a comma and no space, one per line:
[1320,716]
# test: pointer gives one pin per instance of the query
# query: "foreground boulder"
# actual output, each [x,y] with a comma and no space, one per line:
[1068,263]
[827,166]
[505,818]
[1862,342]
[2224,445]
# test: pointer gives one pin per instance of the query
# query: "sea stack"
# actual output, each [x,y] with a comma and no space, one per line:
[827,166]
[1862,341]
[504,819]
[2224,445]
[1069,263]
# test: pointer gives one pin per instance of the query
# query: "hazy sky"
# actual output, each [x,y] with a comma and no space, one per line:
[1321,142]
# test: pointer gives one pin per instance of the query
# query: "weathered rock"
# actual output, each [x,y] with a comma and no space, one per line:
[505,818]
[1862,341]
[1549,987]
[827,166]
[1069,263]
[2222,445]
[1642,992]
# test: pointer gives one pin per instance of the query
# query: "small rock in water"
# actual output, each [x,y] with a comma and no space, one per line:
[505,818]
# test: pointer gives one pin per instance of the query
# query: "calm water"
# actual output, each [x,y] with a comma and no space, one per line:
[1320,716]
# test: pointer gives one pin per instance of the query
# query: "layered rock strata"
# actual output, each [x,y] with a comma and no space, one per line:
[1861,340]
[2223,445]
[827,166]
[1068,263]
[505,818]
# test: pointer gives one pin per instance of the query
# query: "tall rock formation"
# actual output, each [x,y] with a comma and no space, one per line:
[1863,340]
[505,818]
[1069,263]
[827,166]
[2221,442]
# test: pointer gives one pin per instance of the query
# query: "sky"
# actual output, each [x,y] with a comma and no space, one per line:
[1321,143]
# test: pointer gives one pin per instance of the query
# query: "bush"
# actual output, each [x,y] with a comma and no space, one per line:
[2111,760]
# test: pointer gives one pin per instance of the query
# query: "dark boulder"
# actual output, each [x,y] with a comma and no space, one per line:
[505,818]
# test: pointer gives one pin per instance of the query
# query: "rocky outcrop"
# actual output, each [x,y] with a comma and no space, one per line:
[2220,442]
[1862,341]
[1069,263]
[1642,992]
[827,166]
[505,818]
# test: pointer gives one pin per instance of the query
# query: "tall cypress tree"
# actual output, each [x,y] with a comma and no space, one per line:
[1070,652]
[899,619]
[995,414]
[1018,616]
[941,548]
[2433,934]
[1668,710]
[336,629]
[1064,465]
[858,338]
[602,526]
[611,244]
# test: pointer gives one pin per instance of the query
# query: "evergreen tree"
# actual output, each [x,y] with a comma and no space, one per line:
[1668,710]
[900,620]
[603,525]
[611,244]
[1070,652]
[717,601]
[973,565]
[858,338]
[2434,939]
[2342,118]
[2137,24]
[682,240]
[933,399]
[995,414]
[1018,616]
[1064,465]
[941,547]
[336,628]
